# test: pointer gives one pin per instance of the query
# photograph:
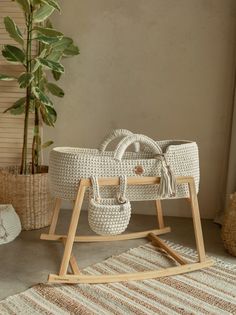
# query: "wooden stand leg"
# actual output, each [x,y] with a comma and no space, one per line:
[55,215]
[73,263]
[196,221]
[72,229]
[160,219]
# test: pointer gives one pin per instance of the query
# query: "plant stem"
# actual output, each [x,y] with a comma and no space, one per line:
[36,145]
[23,169]
[33,155]
[36,141]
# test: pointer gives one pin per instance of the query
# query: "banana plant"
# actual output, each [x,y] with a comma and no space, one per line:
[52,47]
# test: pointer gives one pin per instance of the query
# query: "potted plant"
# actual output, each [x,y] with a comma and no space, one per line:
[228,232]
[25,186]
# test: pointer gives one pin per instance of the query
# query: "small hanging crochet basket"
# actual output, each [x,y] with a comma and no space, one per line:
[109,216]
[229,227]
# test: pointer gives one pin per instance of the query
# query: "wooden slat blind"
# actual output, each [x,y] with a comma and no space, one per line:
[11,127]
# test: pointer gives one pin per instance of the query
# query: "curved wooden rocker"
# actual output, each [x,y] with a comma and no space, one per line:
[68,240]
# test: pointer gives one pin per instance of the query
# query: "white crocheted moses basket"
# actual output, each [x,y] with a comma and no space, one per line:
[109,216]
[167,159]
[10,226]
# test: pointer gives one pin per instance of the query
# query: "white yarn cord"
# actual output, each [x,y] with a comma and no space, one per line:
[95,186]
[123,186]
[167,186]
[3,231]
[121,198]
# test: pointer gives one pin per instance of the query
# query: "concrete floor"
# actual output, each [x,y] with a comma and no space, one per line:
[28,260]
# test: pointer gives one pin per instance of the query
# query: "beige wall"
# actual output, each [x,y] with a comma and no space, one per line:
[159,67]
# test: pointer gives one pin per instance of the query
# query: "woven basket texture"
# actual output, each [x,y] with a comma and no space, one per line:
[68,165]
[10,226]
[229,227]
[108,217]
[29,195]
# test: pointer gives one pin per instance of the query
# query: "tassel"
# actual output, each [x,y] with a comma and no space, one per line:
[173,183]
[167,186]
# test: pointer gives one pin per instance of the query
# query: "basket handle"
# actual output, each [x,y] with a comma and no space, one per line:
[167,186]
[117,133]
[134,138]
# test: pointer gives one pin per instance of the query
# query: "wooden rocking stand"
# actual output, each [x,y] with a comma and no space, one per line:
[68,240]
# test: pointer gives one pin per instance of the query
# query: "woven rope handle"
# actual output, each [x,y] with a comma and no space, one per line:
[167,186]
[117,133]
[127,141]
[123,186]
[122,191]
[95,186]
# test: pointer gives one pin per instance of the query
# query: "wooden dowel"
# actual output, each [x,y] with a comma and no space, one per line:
[158,242]
[99,238]
[142,180]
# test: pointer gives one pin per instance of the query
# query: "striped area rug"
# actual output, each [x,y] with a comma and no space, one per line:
[209,291]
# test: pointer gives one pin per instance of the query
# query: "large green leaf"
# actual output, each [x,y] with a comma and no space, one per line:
[25,79]
[55,89]
[13,30]
[53,4]
[36,65]
[41,96]
[13,54]
[72,50]
[55,56]
[48,31]
[53,65]
[48,24]
[25,5]
[46,39]
[56,75]
[64,43]
[17,108]
[47,144]
[49,115]
[36,2]
[6,77]
[42,13]
[43,53]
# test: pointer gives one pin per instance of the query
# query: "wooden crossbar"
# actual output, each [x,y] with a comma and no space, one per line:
[110,238]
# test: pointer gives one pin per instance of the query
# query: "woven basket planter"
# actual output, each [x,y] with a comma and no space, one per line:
[29,195]
[229,227]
